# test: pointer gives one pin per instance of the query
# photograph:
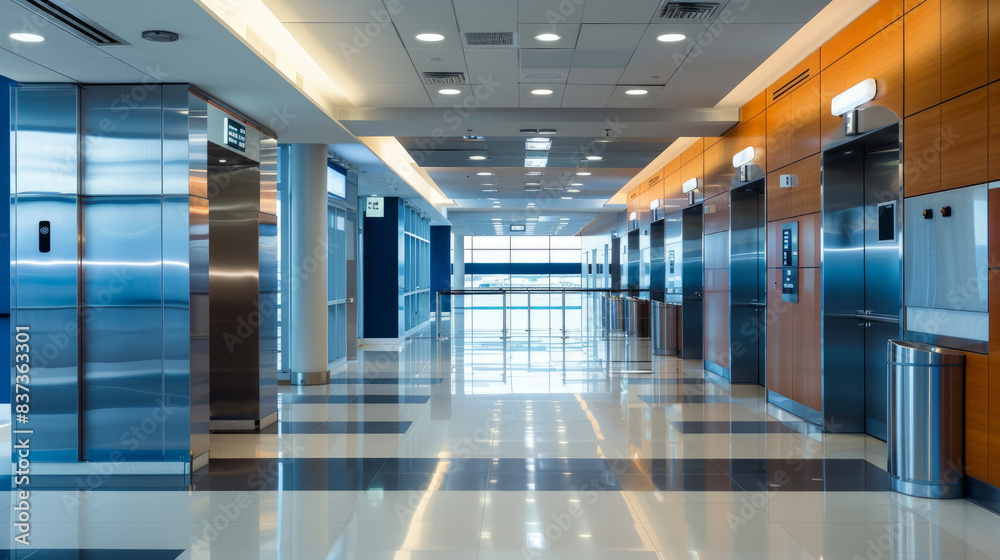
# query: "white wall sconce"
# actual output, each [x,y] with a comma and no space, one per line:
[744,157]
[854,97]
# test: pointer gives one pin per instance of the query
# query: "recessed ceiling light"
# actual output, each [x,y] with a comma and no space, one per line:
[489,190]
[541,92]
[449,91]
[430,37]
[576,184]
[563,219]
[566,197]
[533,173]
[547,131]
[636,91]
[594,158]
[477,158]
[547,37]
[222,161]
[671,37]
[584,173]
[484,173]
[27,37]
[496,219]
[531,204]
[572,190]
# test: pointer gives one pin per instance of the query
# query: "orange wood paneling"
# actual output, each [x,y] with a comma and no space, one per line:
[869,23]
[880,57]
[671,166]
[994,140]
[793,79]
[753,133]
[964,46]
[717,213]
[832,82]
[793,126]
[753,107]
[977,415]
[716,327]
[779,334]
[807,343]
[922,152]
[693,169]
[994,40]
[994,477]
[672,188]
[809,241]
[922,56]
[910,4]
[964,140]
[693,151]
[796,201]
[718,169]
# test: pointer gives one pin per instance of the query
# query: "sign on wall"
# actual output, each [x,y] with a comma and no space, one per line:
[236,134]
[374,207]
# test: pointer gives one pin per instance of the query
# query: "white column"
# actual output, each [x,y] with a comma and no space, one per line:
[307,293]
[458,268]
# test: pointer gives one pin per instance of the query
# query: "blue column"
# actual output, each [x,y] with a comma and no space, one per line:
[440,265]
[384,256]
[5,85]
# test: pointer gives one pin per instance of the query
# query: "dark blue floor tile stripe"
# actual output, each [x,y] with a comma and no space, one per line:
[684,399]
[737,427]
[353,399]
[350,427]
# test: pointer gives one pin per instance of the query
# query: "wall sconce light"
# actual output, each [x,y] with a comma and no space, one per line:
[854,97]
[744,157]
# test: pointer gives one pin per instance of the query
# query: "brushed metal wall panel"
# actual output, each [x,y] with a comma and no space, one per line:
[176,151]
[122,140]
[199,325]
[946,258]
[45,118]
[122,262]
[267,307]
[197,146]
[45,279]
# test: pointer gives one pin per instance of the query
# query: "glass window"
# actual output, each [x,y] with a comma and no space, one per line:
[336,183]
[529,256]
[479,256]
[489,242]
[566,256]
[529,242]
[565,241]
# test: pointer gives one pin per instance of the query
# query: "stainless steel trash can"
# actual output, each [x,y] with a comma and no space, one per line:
[926,420]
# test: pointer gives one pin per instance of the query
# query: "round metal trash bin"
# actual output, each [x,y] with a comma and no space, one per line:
[926,420]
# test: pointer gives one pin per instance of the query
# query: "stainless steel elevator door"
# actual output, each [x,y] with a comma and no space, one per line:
[692,283]
[861,279]
[748,291]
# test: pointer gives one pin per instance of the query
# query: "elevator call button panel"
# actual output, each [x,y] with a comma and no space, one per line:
[790,262]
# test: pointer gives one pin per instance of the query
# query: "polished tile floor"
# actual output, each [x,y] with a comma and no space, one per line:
[477,448]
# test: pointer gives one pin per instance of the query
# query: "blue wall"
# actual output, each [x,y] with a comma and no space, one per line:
[383,272]
[5,228]
[440,265]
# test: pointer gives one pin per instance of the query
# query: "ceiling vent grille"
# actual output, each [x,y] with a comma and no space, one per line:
[72,21]
[689,11]
[444,78]
[489,39]
[790,85]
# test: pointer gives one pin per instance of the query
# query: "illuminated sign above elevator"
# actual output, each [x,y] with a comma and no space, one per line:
[235,133]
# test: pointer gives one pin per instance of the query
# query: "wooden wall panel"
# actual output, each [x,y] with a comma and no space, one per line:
[964,46]
[717,213]
[807,343]
[869,23]
[977,415]
[809,241]
[880,57]
[922,152]
[693,151]
[832,82]
[716,328]
[994,40]
[672,188]
[779,334]
[964,137]
[671,166]
[795,201]
[718,169]
[994,140]
[808,69]
[693,169]
[994,375]
[993,245]
[922,56]
[753,107]
[910,4]
[753,133]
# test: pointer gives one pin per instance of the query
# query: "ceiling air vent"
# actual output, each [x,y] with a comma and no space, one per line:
[490,39]
[444,78]
[72,21]
[689,11]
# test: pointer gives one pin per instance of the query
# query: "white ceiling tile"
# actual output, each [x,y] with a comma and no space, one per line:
[434,92]
[438,60]
[95,70]
[557,91]
[691,76]
[394,96]
[408,31]
[652,90]
[378,67]
[498,65]
[420,10]
[620,36]
[773,11]
[648,63]
[585,102]
[532,101]
[546,58]
[589,91]
[343,39]
[485,91]
[637,103]
[727,59]
[326,11]
[477,15]
[748,36]
[549,11]
[693,31]
[568,35]
[23,70]
[500,102]
[602,59]
[620,11]
[607,76]
[695,97]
